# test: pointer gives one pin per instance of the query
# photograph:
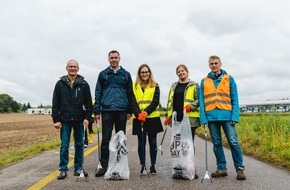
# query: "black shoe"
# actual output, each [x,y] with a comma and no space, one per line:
[195,176]
[86,145]
[100,172]
[143,170]
[78,173]
[61,175]
[153,170]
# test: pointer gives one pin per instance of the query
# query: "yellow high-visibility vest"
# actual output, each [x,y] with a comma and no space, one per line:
[93,115]
[217,97]
[188,98]
[145,98]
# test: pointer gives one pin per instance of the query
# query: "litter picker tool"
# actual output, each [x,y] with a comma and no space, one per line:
[206,176]
[99,151]
[82,176]
[160,146]
[144,149]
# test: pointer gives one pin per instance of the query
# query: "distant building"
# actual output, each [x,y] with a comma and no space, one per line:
[39,111]
[265,106]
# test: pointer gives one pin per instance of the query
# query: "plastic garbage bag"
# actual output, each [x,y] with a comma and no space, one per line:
[118,168]
[181,149]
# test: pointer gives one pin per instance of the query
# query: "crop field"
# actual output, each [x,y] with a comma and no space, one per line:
[18,131]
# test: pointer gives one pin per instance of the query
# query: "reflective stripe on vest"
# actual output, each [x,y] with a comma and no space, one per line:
[217,97]
[145,98]
[189,97]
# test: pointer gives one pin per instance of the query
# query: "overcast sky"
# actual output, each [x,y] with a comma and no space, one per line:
[37,38]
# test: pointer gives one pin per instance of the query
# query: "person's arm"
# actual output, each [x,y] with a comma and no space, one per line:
[195,104]
[203,118]
[235,101]
[55,110]
[129,94]
[134,105]
[167,104]
[98,96]
[155,102]
[88,102]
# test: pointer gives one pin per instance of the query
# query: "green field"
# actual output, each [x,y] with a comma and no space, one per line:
[265,137]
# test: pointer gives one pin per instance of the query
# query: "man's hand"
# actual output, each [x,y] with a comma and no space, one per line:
[187,108]
[167,121]
[129,116]
[86,122]
[233,123]
[57,125]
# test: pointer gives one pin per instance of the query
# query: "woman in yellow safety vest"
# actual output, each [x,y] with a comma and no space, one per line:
[145,104]
[184,94]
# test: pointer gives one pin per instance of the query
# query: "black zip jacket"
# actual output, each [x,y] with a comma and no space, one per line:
[71,103]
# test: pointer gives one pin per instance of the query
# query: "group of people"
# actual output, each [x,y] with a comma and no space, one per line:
[214,104]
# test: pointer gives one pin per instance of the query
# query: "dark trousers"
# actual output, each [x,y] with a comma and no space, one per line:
[90,127]
[142,150]
[193,132]
[109,119]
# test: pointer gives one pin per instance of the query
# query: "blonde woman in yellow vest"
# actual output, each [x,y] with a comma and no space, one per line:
[184,94]
[145,105]
[219,108]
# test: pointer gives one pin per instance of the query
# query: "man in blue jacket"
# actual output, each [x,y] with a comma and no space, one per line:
[219,107]
[71,109]
[112,95]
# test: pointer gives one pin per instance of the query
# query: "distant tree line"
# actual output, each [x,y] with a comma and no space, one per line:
[8,105]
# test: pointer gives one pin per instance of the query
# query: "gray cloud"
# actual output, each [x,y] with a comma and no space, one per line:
[39,37]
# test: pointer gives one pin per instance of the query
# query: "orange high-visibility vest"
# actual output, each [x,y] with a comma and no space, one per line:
[217,97]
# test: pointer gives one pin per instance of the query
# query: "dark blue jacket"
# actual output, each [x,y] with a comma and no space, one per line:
[113,91]
[71,103]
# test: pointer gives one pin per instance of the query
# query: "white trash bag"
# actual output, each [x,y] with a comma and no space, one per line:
[181,149]
[118,168]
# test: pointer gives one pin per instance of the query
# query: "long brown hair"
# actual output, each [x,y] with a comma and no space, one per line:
[151,82]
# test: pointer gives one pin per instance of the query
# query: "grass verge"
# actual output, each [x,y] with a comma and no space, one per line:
[14,155]
[265,137]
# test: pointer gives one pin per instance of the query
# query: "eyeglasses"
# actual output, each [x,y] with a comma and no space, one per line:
[144,72]
[72,66]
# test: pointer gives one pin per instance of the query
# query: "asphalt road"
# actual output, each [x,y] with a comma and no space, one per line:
[40,172]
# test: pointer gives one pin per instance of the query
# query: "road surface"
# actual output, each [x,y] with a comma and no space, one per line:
[40,171]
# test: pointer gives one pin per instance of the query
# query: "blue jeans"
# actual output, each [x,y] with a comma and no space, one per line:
[232,138]
[65,133]
[142,150]
[109,119]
